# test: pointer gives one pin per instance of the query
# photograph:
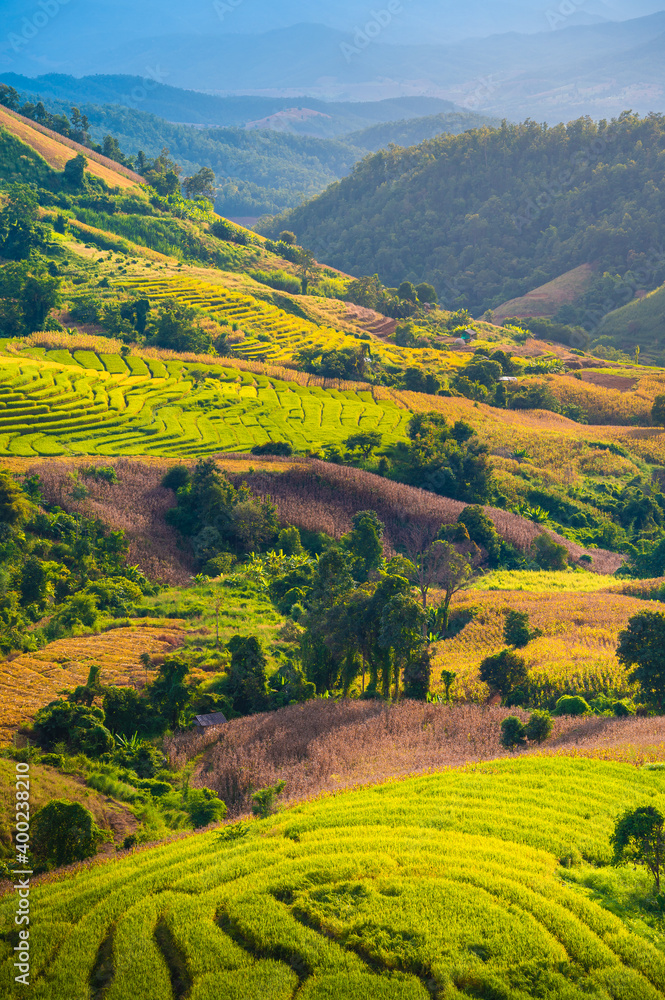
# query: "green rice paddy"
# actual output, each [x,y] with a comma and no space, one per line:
[269,332]
[452,885]
[59,403]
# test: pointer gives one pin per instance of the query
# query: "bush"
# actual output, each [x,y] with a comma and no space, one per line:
[219,565]
[273,448]
[622,709]
[513,733]
[64,832]
[204,807]
[539,727]
[282,281]
[482,531]
[570,704]
[263,801]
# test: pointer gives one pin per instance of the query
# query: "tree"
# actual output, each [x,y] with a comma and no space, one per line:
[201,184]
[407,291]
[64,832]
[79,726]
[426,293]
[286,236]
[549,554]
[417,675]
[639,839]
[658,410]
[74,172]
[364,543]
[366,442]
[513,733]
[402,631]
[454,572]
[539,726]
[168,693]
[503,672]
[14,505]
[642,646]
[482,531]
[516,631]
[178,329]
[247,683]
[126,711]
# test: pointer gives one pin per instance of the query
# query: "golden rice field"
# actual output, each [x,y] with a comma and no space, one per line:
[574,655]
[451,885]
[30,680]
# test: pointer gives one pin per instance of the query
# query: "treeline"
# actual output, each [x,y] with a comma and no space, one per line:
[490,214]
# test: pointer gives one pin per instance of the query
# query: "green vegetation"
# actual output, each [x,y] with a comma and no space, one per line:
[494,235]
[333,897]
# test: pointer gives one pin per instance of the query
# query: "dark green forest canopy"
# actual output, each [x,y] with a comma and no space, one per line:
[493,213]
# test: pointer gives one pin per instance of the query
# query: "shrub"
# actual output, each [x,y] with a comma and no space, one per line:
[622,709]
[539,727]
[273,448]
[570,704]
[219,565]
[64,832]
[481,531]
[513,733]
[204,807]
[263,801]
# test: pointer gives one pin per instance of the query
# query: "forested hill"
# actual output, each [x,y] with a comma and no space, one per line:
[492,213]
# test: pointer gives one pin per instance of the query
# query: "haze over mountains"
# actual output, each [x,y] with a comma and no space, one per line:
[515,60]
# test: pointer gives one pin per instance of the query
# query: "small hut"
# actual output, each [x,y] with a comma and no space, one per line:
[205,723]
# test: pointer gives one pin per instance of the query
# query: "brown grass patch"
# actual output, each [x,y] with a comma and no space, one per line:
[57,150]
[32,680]
[324,746]
[545,301]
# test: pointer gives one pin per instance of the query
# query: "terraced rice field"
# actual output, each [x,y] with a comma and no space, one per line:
[448,885]
[32,680]
[86,403]
[282,335]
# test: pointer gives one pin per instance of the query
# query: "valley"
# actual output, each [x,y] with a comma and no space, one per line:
[332,544]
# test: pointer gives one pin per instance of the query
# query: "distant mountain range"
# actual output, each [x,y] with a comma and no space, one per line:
[550,65]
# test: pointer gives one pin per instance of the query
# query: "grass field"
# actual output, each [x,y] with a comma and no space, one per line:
[61,403]
[450,885]
[31,680]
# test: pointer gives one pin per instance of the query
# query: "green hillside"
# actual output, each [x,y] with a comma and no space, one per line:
[491,214]
[489,881]
[641,321]
[411,132]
